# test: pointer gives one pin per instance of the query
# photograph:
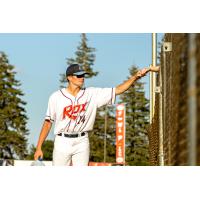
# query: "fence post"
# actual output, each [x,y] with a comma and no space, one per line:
[192,101]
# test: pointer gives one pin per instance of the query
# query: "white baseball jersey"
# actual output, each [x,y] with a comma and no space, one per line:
[77,114]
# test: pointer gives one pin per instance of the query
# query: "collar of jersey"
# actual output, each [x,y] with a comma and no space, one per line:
[65,92]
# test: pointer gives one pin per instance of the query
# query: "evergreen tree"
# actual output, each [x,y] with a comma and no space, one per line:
[98,134]
[84,56]
[47,149]
[137,120]
[13,119]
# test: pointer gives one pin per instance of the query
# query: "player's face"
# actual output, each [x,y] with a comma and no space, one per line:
[77,80]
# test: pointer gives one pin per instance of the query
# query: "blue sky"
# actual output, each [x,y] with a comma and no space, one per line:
[40,58]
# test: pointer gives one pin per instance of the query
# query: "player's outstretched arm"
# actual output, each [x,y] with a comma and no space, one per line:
[127,84]
[43,134]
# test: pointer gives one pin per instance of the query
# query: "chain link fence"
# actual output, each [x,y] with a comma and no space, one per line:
[175,65]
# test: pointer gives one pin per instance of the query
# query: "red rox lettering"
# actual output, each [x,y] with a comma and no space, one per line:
[83,107]
[76,109]
[73,111]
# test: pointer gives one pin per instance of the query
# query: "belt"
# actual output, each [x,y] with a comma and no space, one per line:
[72,135]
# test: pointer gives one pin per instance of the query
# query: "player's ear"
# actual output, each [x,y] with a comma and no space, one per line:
[68,78]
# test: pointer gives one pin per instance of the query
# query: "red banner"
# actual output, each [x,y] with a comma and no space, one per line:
[120,134]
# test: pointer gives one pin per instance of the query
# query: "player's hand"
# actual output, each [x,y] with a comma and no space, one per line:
[154,68]
[142,72]
[38,154]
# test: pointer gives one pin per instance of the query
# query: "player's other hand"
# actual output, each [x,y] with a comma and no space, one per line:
[38,154]
[154,68]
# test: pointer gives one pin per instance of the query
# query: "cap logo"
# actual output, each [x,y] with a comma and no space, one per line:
[80,68]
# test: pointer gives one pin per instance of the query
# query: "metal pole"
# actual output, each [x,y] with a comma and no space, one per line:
[164,89]
[105,133]
[161,151]
[153,78]
[192,102]
[152,99]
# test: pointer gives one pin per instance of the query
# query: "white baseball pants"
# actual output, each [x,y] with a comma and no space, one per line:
[71,151]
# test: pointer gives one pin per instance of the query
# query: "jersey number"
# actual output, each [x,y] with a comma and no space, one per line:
[81,119]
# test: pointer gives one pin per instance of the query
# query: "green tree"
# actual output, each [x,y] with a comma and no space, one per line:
[98,134]
[84,56]
[137,120]
[47,149]
[13,119]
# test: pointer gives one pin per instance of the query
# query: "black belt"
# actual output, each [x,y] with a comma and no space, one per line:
[72,135]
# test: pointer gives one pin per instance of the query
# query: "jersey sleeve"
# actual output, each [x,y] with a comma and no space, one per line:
[105,96]
[51,114]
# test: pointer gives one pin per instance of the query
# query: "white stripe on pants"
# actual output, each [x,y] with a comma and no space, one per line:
[69,151]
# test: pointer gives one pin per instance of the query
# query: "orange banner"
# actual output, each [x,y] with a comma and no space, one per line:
[99,164]
[120,134]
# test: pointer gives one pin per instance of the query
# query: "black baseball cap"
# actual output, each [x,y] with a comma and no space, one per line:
[75,69]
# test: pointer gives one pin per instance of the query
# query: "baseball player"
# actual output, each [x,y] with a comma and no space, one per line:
[73,110]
